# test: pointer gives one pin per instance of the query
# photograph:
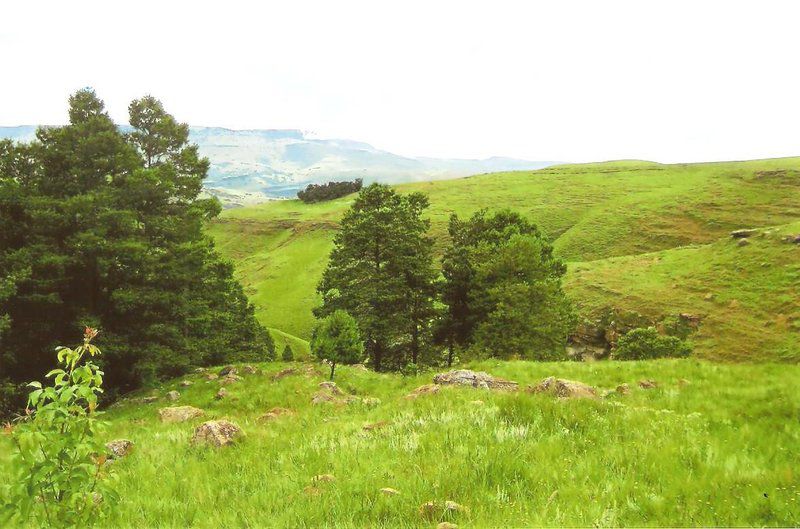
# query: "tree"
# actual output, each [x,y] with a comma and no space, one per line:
[336,340]
[500,277]
[288,354]
[109,229]
[381,272]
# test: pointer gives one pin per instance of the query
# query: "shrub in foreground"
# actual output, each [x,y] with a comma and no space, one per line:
[336,340]
[61,477]
[647,343]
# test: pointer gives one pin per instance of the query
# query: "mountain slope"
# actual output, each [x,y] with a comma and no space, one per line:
[250,166]
[592,212]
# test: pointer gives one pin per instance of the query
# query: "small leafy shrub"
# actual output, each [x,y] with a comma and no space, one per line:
[288,354]
[61,478]
[410,370]
[336,340]
[647,343]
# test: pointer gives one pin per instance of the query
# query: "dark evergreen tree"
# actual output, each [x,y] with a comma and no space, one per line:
[380,271]
[109,228]
[288,354]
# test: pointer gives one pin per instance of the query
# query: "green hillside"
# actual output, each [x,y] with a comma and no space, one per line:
[701,449]
[606,219]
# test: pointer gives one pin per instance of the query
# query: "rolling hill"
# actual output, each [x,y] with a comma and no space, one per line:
[638,236]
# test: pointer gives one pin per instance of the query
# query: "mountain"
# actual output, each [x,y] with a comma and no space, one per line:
[640,238]
[251,166]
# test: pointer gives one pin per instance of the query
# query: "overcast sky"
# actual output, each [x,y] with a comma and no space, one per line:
[559,80]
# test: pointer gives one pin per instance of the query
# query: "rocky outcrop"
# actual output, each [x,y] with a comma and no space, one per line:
[427,389]
[331,387]
[230,378]
[119,448]
[216,433]
[565,389]
[173,396]
[227,370]
[475,379]
[179,413]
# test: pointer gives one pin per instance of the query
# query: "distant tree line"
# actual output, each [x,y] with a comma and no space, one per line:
[498,293]
[329,190]
[105,229]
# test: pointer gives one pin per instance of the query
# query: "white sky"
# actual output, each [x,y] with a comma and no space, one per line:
[559,80]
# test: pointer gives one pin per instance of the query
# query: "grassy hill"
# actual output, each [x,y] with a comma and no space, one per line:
[670,456]
[639,236]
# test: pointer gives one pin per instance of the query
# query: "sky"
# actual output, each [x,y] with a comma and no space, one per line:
[671,81]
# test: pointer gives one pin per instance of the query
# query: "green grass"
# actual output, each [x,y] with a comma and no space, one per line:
[595,214]
[719,451]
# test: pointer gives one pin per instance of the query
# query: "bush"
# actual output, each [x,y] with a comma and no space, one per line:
[647,343]
[61,476]
[288,354]
[336,340]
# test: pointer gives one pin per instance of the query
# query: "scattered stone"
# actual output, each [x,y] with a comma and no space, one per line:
[376,426]
[285,373]
[795,239]
[454,507]
[250,370]
[476,379]
[323,478]
[275,413]
[648,384]
[565,389]
[212,376]
[216,433]
[446,525]
[119,448]
[743,234]
[148,400]
[221,394]
[388,491]
[430,510]
[477,402]
[623,389]
[427,389]
[227,370]
[709,296]
[734,304]
[371,402]
[312,490]
[179,413]
[229,379]
[683,382]
[200,370]
[362,367]
[743,242]
[173,395]
[186,383]
[332,387]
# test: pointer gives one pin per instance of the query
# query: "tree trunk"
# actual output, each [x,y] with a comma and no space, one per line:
[450,354]
[333,366]
[414,344]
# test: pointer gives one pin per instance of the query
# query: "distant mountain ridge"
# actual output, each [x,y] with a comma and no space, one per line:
[249,166]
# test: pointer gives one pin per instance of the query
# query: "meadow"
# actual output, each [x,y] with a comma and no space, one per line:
[711,445]
[638,236]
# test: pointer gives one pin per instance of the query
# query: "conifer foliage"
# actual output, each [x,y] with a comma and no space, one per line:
[105,229]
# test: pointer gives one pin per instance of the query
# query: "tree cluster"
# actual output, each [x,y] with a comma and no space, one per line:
[329,191]
[497,294]
[105,229]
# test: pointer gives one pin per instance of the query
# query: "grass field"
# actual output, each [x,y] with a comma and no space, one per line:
[713,445]
[639,236]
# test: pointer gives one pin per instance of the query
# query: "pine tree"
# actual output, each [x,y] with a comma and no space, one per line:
[381,272]
[288,354]
[336,340]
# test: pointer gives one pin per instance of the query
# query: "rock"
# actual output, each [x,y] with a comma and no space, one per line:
[312,490]
[332,387]
[148,400]
[376,426]
[322,397]
[430,510]
[476,379]
[692,320]
[623,389]
[709,296]
[285,373]
[186,383]
[216,433]
[250,370]
[362,367]
[477,402]
[388,491]
[227,370]
[454,507]
[565,389]
[648,384]
[212,376]
[682,382]
[446,525]
[323,478]
[743,242]
[229,379]
[371,402]
[119,448]
[221,394]
[427,389]
[200,370]
[743,234]
[275,413]
[794,239]
[179,413]
[173,395]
